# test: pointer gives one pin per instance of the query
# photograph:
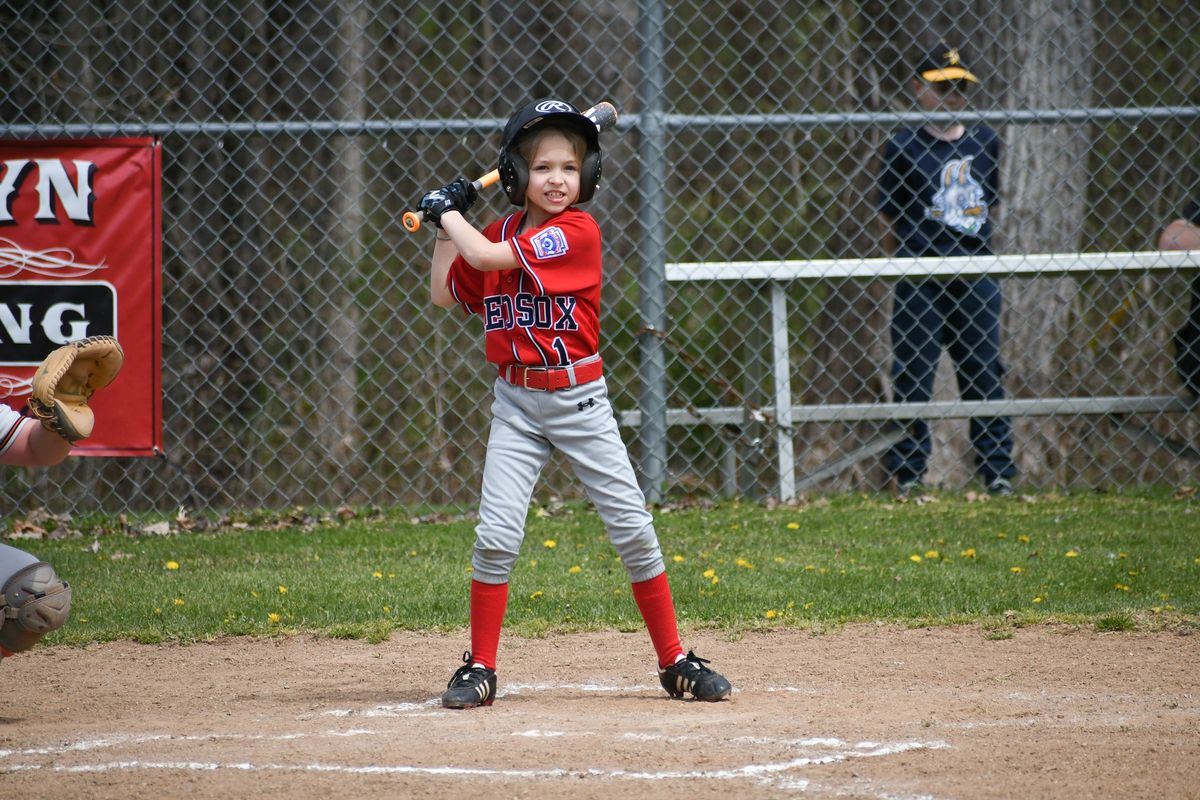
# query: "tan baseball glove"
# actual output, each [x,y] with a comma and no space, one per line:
[66,380]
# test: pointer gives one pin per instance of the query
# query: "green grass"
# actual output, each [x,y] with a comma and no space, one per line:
[1113,562]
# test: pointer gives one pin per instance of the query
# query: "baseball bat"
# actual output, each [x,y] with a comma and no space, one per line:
[604,115]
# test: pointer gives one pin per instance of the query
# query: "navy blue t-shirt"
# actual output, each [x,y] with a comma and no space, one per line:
[939,194]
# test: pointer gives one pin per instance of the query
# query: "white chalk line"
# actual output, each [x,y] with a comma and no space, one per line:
[761,773]
[122,740]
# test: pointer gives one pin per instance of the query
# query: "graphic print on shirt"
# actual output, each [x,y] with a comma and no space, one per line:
[532,312]
[958,204]
[550,243]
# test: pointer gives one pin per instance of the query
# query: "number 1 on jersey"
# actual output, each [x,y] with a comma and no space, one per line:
[561,349]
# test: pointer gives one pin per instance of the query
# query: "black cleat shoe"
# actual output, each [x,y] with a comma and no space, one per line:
[690,675]
[470,686]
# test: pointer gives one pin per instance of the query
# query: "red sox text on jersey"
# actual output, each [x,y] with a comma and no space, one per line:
[545,312]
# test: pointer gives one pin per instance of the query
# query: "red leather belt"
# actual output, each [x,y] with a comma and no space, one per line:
[551,379]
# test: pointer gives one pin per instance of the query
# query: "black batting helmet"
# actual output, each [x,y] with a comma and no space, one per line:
[514,170]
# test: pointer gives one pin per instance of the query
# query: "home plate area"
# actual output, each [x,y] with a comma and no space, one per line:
[859,712]
[581,744]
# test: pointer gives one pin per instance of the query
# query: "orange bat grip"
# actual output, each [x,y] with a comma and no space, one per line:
[412,219]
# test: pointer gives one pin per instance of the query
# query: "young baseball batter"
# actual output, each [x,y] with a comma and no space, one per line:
[534,278]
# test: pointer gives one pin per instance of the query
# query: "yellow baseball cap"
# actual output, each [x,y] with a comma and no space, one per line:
[945,64]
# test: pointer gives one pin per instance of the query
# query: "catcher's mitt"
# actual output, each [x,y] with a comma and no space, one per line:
[66,380]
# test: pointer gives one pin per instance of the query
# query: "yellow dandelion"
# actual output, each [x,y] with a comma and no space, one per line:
[1071,554]
[809,567]
[968,553]
[412,553]
[178,601]
[158,611]
[678,559]
[283,590]
[715,580]
[253,594]
[1037,599]
[708,573]
[376,574]
[808,605]
[1133,573]
[1001,535]
[1023,539]
[741,562]
[550,544]
[1122,555]
[793,526]
[387,609]
[575,570]
[535,595]
[778,559]
[1121,587]
[273,617]
[172,565]
[916,559]
[772,614]
[1015,570]
[931,553]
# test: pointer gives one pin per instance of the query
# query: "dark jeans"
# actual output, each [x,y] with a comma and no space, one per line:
[964,317]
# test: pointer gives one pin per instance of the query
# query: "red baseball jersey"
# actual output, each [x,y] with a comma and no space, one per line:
[545,312]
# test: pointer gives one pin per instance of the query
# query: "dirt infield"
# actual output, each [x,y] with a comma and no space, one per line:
[863,712]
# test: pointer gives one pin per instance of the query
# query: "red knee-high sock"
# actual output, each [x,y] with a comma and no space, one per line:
[653,598]
[488,602]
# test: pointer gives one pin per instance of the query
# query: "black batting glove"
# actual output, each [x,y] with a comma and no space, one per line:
[464,193]
[458,195]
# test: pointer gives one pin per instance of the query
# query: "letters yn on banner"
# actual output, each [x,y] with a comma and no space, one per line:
[81,255]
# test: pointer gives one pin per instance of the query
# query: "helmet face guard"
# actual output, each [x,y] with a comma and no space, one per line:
[514,170]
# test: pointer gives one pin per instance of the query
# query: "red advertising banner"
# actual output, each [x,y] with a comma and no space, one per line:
[81,255]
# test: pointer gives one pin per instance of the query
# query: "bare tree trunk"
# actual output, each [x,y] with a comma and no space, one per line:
[338,434]
[850,358]
[1046,178]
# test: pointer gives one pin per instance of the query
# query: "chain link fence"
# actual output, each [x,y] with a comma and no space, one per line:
[303,363]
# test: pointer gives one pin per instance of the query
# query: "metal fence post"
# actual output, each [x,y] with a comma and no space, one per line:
[782,371]
[651,248]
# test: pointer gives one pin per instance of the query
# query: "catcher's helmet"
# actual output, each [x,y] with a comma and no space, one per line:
[514,170]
